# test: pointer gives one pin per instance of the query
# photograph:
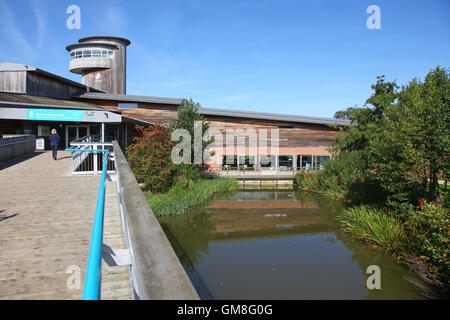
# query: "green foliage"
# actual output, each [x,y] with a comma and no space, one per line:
[306,180]
[429,236]
[396,150]
[149,158]
[187,172]
[187,115]
[423,233]
[371,224]
[187,193]
[392,156]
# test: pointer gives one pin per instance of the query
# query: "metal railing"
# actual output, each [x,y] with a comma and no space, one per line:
[89,162]
[92,281]
[94,267]
[254,172]
[86,159]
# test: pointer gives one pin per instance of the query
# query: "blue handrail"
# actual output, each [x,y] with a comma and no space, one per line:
[94,266]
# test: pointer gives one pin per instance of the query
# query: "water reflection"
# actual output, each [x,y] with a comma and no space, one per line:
[278,245]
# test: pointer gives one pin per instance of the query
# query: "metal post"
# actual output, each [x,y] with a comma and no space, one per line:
[95,160]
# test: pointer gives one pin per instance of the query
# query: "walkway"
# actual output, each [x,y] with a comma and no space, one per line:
[46,217]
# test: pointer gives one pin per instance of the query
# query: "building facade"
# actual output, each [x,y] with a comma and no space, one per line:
[34,101]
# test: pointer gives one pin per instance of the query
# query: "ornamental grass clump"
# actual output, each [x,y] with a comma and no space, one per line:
[186,194]
[375,226]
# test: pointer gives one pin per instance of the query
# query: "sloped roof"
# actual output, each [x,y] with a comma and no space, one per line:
[15,99]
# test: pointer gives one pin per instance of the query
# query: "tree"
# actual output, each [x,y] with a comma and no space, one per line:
[425,110]
[399,146]
[187,116]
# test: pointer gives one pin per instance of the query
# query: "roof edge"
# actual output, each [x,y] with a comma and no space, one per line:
[273,116]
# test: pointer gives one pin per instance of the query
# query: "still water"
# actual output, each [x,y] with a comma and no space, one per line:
[279,245]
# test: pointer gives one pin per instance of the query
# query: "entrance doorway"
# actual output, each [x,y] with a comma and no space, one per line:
[75,132]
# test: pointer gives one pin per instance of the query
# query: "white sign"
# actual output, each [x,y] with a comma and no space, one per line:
[40,144]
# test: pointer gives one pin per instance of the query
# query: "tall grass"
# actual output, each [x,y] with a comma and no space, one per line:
[186,194]
[375,226]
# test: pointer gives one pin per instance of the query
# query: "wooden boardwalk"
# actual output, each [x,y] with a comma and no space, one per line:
[46,217]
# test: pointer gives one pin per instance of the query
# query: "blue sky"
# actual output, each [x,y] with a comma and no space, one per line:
[310,57]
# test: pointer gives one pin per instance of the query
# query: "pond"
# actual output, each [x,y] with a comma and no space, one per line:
[279,245]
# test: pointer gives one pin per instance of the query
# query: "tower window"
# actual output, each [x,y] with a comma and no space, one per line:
[96,53]
[125,106]
[86,53]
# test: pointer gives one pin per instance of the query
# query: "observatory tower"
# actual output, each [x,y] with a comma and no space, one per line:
[102,61]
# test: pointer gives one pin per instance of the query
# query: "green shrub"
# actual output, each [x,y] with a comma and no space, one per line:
[188,172]
[324,181]
[149,158]
[306,180]
[429,232]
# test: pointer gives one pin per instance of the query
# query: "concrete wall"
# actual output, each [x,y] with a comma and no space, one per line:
[159,273]
[14,147]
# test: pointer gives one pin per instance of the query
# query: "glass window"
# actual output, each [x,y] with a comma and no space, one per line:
[110,54]
[267,162]
[72,55]
[124,106]
[96,53]
[78,54]
[229,162]
[285,163]
[86,53]
[321,160]
[247,163]
[307,163]
[104,54]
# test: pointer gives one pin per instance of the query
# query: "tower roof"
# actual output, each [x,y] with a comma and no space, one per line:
[108,38]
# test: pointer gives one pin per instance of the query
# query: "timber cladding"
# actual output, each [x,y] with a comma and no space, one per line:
[150,112]
[300,136]
[291,134]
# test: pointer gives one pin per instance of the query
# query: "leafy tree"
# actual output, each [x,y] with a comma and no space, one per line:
[424,112]
[397,146]
[186,117]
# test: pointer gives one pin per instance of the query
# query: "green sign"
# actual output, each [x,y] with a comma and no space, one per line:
[55,115]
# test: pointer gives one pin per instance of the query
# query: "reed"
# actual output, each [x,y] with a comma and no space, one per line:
[187,194]
[373,225]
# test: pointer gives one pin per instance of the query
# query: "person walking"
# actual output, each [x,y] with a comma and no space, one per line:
[54,143]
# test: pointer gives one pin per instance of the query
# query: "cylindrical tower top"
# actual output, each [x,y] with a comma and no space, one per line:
[105,38]
[101,60]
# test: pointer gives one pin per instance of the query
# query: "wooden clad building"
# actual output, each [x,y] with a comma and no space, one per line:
[256,141]
[298,143]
